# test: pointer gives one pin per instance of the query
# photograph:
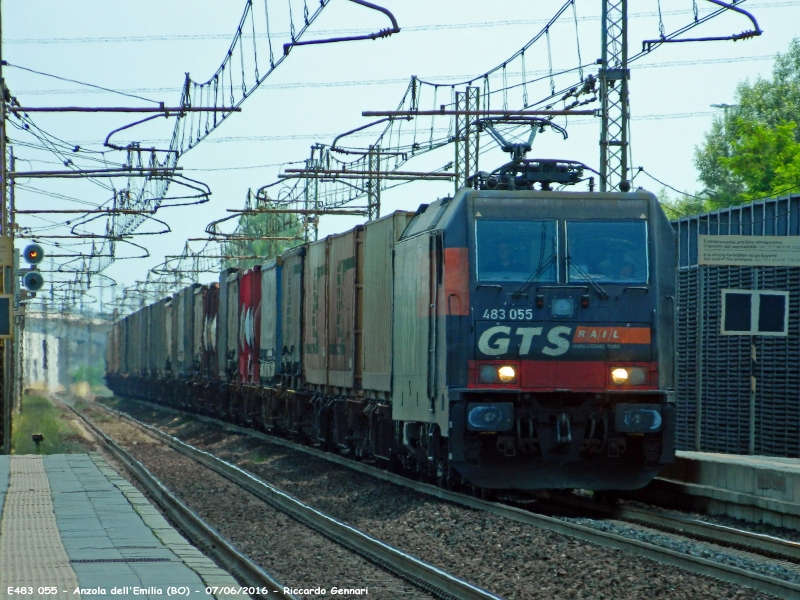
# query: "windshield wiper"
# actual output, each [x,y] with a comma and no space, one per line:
[587,277]
[533,277]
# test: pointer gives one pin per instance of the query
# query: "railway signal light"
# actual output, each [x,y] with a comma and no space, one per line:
[33,254]
[33,281]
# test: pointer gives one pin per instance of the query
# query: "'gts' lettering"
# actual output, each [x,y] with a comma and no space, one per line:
[495,340]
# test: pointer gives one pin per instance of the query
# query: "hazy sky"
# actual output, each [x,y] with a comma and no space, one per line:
[145,48]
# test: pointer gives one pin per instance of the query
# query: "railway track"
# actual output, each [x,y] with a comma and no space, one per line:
[728,537]
[201,534]
[429,578]
[751,543]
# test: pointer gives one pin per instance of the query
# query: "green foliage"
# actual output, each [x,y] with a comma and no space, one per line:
[751,150]
[38,415]
[263,225]
[681,206]
[91,374]
[765,159]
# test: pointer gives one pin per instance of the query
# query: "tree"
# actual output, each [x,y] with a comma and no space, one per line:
[286,225]
[750,149]
[765,160]
[680,206]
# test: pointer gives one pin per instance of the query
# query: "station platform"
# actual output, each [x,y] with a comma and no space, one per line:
[758,489]
[69,522]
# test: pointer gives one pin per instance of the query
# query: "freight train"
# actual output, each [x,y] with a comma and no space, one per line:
[504,338]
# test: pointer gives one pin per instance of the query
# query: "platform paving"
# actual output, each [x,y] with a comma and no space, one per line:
[70,522]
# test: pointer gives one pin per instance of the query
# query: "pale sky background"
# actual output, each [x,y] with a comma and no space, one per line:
[145,47]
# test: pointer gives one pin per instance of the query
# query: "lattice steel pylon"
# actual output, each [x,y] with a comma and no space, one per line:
[614,97]
[374,183]
[466,138]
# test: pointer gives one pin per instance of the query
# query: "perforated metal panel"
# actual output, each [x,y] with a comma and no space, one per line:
[686,345]
[736,394]
[777,373]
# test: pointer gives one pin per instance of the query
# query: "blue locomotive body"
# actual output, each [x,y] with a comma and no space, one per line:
[558,337]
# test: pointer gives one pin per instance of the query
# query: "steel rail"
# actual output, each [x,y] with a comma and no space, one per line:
[745,540]
[200,533]
[426,576]
[693,564]
[748,541]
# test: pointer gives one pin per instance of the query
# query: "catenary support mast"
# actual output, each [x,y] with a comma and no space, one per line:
[614,76]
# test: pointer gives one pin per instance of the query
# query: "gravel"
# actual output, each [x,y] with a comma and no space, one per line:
[511,559]
[294,554]
[783,533]
[780,570]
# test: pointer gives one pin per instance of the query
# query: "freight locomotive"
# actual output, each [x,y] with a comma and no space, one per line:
[504,338]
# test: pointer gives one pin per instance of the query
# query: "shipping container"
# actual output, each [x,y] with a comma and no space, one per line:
[270,340]
[210,336]
[138,343]
[198,326]
[156,338]
[161,347]
[411,330]
[232,347]
[147,315]
[379,240]
[169,324]
[249,324]
[222,325]
[125,358]
[345,298]
[180,339]
[112,349]
[315,314]
[292,282]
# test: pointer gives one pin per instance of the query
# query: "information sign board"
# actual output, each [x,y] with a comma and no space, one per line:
[749,250]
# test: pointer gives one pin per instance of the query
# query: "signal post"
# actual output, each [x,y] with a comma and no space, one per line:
[7,271]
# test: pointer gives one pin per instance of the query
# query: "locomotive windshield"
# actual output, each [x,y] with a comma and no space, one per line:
[607,251]
[516,250]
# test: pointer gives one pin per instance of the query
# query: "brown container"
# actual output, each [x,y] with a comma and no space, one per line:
[291,306]
[379,240]
[345,297]
[315,313]
[232,341]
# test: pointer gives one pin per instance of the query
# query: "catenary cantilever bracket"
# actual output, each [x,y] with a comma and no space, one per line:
[395,28]
[647,45]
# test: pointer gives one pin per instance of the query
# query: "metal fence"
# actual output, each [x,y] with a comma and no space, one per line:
[737,393]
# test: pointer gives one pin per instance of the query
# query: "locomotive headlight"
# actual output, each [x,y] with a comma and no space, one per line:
[628,375]
[497,374]
[507,374]
[488,374]
[562,307]
[619,376]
